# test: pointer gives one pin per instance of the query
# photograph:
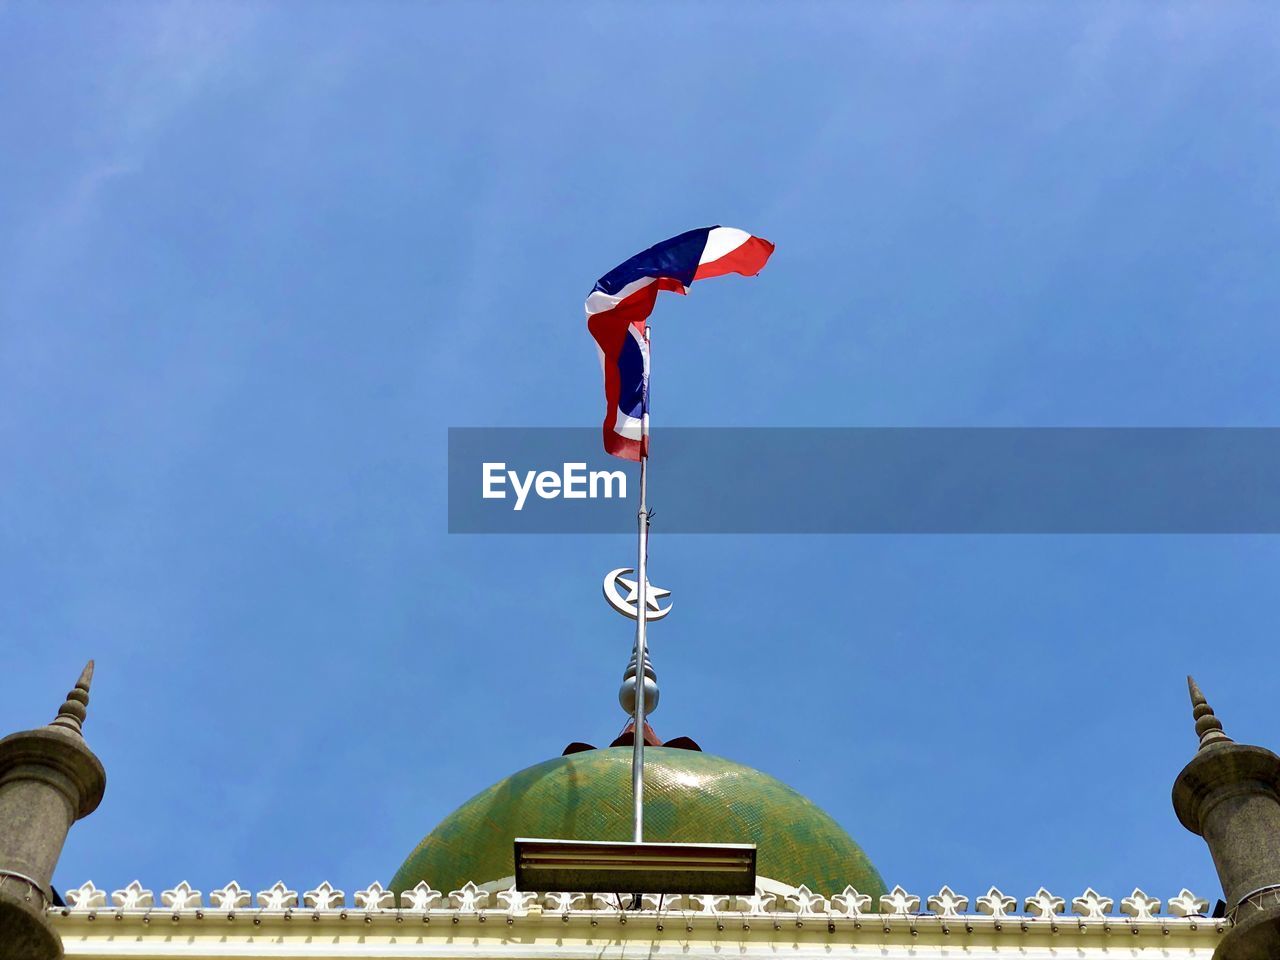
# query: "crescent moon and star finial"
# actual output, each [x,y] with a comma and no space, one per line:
[616,581]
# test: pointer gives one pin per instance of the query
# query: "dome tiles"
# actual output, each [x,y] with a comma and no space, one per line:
[690,797]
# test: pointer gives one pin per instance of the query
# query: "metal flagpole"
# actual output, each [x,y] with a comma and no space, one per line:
[642,603]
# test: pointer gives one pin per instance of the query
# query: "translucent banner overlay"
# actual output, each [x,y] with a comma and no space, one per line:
[871,480]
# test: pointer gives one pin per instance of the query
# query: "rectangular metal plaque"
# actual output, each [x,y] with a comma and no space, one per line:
[595,866]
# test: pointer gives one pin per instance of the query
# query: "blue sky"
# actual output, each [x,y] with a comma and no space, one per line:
[257,259]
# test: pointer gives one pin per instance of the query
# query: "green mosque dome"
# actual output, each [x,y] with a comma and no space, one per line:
[690,797]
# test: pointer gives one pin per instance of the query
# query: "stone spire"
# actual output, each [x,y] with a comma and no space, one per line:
[1208,726]
[72,713]
[49,778]
[1230,794]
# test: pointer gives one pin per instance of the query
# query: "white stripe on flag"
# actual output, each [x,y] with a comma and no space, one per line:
[600,302]
[630,427]
[722,241]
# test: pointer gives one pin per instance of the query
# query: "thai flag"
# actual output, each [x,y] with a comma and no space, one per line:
[621,302]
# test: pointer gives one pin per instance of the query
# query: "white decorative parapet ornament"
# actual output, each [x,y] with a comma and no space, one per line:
[709,903]
[1140,906]
[374,897]
[758,902]
[421,898]
[1187,904]
[469,899]
[87,897]
[1044,904]
[947,903]
[898,901]
[1092,905]
[133,897]
[562,902]
[851,902]
[659,903]
[277,897]
[996,904]
[181,897]
[807,903]
[516,902]
[324,897]
[230,897]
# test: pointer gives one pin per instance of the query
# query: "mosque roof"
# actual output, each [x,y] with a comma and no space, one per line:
[690,796]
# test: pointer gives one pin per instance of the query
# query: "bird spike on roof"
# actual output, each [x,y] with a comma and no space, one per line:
[1208,726]
[72,713]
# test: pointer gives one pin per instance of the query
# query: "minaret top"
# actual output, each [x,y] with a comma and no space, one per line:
[1208,726]
[1229,793]
[49,778]
[72,713]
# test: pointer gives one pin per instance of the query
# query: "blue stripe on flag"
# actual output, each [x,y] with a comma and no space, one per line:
[676,258]
[631,376]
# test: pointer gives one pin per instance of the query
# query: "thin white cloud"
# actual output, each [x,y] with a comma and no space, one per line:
[162,59]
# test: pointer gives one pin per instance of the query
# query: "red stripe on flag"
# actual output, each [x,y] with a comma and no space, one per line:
[609,329]
[619,446]
[748,260]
